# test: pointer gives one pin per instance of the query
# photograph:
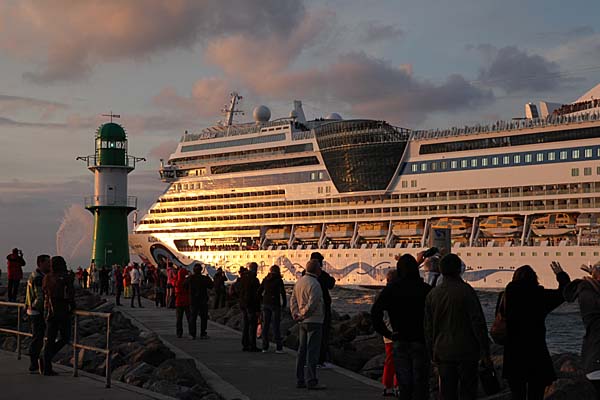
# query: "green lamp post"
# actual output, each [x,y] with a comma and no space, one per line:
[110,203]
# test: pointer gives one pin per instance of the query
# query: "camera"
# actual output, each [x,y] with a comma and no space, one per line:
[432,251]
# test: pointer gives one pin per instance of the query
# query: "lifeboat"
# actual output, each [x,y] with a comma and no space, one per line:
[307,232]
[279,233]
[408,228]
[339,231]
[556,224]
[459,226]
[501,226]
[373,230]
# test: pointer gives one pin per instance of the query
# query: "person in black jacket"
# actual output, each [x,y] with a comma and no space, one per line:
[199,286]
[587,292]
[250,306]
[404,301]
[272,291]
[527,363]
[327,283]
[220,293]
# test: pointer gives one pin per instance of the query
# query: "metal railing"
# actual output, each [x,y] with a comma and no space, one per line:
[75,344]
[110,201]
[18,331]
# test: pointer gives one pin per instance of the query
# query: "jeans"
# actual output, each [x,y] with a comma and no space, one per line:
[458,380]
[249,324]
[13,289]
[159,297]
[523,390]
[220,297]
[324,350]
[308,352]
[54,327]
[38,328]
[135,291]
[179,311]
[412,370]
[202,310]
[271,315]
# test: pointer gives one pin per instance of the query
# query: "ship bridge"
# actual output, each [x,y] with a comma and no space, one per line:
[361,155]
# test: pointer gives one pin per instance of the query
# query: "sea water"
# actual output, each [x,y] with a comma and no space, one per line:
[564,328]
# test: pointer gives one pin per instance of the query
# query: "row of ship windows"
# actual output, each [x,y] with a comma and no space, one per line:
[219,196]
[587,171]
[506,160]
[479,207]
[533,254]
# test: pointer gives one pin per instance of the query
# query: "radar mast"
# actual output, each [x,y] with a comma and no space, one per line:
[231,110]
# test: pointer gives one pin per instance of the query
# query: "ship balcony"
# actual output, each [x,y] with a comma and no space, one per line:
[130,202]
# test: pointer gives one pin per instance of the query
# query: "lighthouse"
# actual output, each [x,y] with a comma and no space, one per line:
[110,203]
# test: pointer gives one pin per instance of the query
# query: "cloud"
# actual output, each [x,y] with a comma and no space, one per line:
[516,70]
[163,150]
[11,104]
[378,32]
[21,124]
[66,38]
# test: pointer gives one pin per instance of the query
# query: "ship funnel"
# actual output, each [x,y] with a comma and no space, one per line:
[299,112]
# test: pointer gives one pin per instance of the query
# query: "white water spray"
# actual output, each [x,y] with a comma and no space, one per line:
[74,236]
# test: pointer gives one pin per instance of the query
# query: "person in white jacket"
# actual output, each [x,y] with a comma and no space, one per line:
[306,306]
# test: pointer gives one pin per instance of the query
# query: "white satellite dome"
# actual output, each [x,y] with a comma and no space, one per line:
[334,116]
[261,114]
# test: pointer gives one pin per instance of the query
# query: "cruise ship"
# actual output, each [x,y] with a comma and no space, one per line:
[361,192]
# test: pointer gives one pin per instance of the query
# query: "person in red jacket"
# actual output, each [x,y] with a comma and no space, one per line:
[15,264]
[182,300]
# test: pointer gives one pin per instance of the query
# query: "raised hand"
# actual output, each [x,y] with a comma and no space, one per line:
[586,268]
[556,267]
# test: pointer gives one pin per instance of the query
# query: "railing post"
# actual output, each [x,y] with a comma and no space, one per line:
[75,360]
[18,332]
[108,372]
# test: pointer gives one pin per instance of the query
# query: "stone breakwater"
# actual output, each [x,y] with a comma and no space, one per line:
[355,345]
[137,358]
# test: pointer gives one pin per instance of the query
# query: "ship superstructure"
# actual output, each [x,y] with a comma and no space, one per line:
[524,191]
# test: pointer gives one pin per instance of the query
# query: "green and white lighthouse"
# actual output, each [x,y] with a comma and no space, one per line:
[110,203]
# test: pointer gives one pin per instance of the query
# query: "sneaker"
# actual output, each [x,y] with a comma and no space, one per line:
[389,393]
[325,365]
[279,352]
[300,385]
[265,351]
[317,386]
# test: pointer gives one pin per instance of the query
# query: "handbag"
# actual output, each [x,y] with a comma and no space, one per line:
[498,329]
[489,380]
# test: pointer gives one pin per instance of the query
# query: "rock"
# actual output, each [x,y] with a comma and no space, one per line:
[118,373]
[369,345]
[167,388]
[9,343]
[235,321]
[90,326]
[118,321]
[291,340]
[182,372]
[127,349]
[121,336]
[96,340]
[374,367]
[571,389]
[89,360]
[154,354]
[348,359]
[138,375]
[116,361]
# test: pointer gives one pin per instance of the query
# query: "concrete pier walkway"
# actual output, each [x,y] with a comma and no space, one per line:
[16,383]
[239,375]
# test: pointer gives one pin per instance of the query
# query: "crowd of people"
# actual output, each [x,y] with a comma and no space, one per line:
[432,321]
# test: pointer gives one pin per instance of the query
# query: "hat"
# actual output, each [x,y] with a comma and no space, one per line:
[317,256]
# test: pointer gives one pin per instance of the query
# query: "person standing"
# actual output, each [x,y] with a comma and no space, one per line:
[136,280]
[14,264]
[127,281]
[404,301]
[587,292]
[250,306]
[307,309]
[182,301]
[104,278]
[273,295]
[327,283]
[79,276]
[118,276]
[199,286]
[528,366]
[171,278]
[34,301]
[456,332]
[160,286]
[85,275]
[59,303]
[220,292]
[96,279]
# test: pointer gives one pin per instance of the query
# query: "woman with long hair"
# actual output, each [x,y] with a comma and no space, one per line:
[527,363]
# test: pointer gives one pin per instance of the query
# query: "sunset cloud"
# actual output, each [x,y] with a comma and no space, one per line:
[72,36]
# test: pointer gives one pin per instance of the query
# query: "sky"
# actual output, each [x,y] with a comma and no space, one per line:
[167,67]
